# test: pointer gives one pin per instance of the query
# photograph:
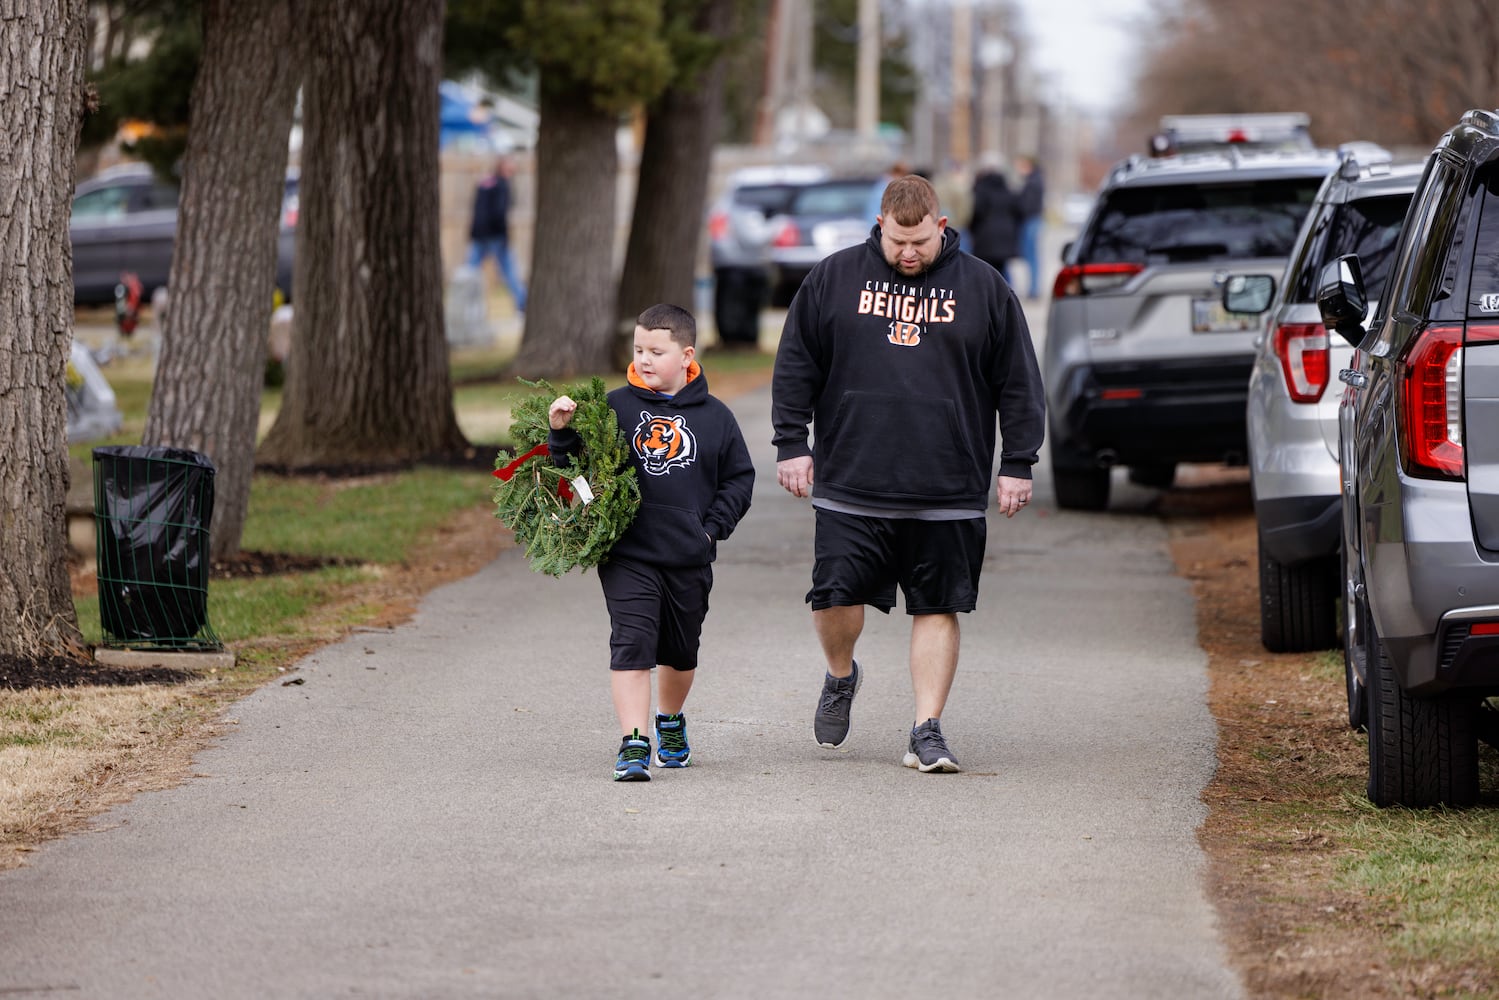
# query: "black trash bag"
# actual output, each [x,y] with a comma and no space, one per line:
[152,508]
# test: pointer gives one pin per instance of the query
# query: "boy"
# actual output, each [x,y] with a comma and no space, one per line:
[695,478]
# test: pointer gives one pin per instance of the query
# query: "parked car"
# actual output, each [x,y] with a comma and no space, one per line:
[1144,367]
[1273,131]
[1292,418]
[125,221]
[1419,454]
[821,218]
[739,234]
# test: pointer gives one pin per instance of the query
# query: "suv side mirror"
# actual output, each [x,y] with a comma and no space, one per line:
[1248,293]
[1341,298]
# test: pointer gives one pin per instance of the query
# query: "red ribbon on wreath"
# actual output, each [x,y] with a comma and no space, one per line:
[564,488]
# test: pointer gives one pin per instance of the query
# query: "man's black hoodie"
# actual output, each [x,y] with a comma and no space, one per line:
[902,378]
[694,471]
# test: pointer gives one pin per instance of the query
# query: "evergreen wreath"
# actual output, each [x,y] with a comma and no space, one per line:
[535,498]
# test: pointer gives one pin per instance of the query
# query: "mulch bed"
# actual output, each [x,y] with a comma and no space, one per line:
[23,673]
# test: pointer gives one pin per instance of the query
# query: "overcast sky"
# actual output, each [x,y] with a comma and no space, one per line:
[1086,46]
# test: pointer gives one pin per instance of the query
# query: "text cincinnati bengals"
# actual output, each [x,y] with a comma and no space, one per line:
[907,303]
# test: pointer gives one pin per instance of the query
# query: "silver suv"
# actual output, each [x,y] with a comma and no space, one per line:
[739,234]
[1144,367]
[1419,451]
[1292,417]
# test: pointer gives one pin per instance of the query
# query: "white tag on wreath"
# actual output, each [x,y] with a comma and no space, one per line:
[583,490]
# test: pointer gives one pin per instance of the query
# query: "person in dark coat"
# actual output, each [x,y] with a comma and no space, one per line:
[1032,201]
[489,233]
[996,220]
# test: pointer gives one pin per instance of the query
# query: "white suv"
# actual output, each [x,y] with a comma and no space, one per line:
[1292,414]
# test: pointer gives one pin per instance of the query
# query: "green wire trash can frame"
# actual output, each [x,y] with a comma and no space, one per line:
[152,508]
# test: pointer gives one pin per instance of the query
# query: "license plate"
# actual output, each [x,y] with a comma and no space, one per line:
[1209,316]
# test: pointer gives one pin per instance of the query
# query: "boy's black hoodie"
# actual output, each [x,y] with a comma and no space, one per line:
[902,378]
[692,465]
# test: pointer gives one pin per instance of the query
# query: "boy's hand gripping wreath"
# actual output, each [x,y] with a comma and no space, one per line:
[560,529]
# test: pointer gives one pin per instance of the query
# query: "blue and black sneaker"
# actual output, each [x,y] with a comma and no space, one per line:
[671,741]
[634,761]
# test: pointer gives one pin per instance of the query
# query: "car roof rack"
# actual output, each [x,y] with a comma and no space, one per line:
[1359,156]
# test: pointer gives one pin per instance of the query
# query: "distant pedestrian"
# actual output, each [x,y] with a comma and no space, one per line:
[955,194]
[695,477]
[996,219]
[1032,206]
[489,234]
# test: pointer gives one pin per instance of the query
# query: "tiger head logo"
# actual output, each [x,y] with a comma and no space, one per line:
[663,443]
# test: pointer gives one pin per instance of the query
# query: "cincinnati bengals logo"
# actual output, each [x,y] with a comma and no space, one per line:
[663,443]
[904,334]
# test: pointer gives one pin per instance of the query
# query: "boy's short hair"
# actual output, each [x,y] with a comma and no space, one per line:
[908,200]
[675,319]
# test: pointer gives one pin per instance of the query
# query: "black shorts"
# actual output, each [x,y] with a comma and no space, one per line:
[655,613]
[860,560]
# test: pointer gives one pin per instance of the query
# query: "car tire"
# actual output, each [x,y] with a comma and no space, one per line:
[738,297]
[782,292]
[1422,751]
[1298,603]
[1076,483]
[1158,475]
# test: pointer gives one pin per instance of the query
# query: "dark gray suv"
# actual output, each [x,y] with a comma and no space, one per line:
[1144,367]
[1419,455]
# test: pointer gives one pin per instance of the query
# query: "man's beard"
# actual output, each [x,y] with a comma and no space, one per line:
[923,266]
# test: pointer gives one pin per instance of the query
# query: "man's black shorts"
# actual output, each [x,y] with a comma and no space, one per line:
[655,613]
[860,560]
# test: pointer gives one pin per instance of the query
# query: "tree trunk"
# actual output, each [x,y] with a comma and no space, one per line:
[206,395]
[667,227]
[571,300]
[41,78]
[367,382]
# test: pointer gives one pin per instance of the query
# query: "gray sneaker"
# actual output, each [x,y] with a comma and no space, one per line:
[929,750]
[831,724]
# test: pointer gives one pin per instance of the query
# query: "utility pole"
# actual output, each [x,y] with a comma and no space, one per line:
[777,55]
[867,86]
[960,144]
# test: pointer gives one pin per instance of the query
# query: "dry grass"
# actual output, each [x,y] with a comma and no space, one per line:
[66,753]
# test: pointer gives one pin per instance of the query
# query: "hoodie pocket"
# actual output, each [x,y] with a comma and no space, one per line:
[666,536]
[885,445]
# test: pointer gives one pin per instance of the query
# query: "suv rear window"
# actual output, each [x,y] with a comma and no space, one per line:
[843,198]
[1200,222]
[1369,227]
[770,199]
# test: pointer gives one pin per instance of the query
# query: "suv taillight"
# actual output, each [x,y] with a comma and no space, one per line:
[789,236]
[1431,403]
[1302,350]
[718,226]
[1085,279]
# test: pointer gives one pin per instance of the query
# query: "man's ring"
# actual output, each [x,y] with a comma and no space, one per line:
[1022,501]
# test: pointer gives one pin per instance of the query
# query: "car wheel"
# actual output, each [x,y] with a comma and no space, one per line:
[1298,604]
[782,292]
[738,298]
[1077,486]
[1422,751]
[1159,475]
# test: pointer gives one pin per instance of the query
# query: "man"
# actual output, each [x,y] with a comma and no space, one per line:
[489,233]
[900,351]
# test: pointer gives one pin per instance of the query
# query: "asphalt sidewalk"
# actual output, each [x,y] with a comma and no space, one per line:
[431,814]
